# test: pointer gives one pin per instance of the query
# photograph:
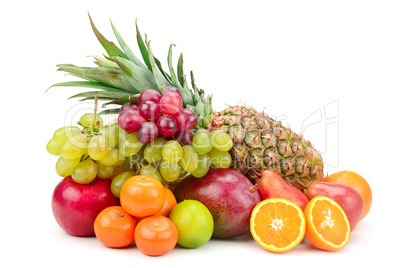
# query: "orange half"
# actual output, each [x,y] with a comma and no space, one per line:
[277,224]
[327,226]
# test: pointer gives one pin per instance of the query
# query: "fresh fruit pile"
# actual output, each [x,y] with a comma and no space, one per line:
[171,171]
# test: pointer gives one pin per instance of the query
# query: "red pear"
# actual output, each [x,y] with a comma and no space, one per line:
[347,197]
[272,185]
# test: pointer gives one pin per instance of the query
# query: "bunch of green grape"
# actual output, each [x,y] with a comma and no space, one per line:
[94,150]
[169,160]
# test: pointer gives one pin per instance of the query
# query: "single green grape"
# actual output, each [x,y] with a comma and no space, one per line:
[130,145]
[114,127]
[127,164]
[64,167]
[202,141]
[116,130]
[74,147]
[220,159]
[121,160]
[189,160]
[104,172]
[204,162]
[53,148]
[111,158]
[169,171]
[88,120]
[153,150]
[109,135]
[221,140]
[60,135]
[121,135]
[118,182]
[133,163]
[183,172]
[151,171]
[98,147]
[172,151]
[85,172]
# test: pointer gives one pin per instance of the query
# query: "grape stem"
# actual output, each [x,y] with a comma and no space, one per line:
[92,130]
[95,110]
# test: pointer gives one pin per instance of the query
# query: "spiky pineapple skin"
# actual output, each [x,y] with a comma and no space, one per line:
[261,143]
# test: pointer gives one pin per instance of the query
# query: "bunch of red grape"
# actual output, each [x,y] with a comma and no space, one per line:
[158,115]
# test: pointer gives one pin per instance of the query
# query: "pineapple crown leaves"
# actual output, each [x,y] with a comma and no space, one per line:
[120,76]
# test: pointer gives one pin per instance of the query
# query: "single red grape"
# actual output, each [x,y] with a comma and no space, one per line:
[166,125]
[171,103]
[147,132]
[130,120]
[128,106]
[185,137]
[171,89]
[149,110]
[150,95]
[186,119]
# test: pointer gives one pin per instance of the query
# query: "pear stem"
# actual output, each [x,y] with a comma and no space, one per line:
[256,173]
[301,184]
[253,188]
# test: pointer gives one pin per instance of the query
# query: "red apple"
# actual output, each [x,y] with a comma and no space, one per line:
[347,197]
[75,206]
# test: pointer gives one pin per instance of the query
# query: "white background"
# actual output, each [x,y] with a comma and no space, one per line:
[341,60]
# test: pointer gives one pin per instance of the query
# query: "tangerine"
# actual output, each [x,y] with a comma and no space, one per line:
[114,227]
[142,196]
[169,204]
[156,235]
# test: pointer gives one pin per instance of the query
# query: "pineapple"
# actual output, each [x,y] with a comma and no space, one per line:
[259,142]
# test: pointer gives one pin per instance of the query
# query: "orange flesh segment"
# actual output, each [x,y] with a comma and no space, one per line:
[277,224]
[329,222]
